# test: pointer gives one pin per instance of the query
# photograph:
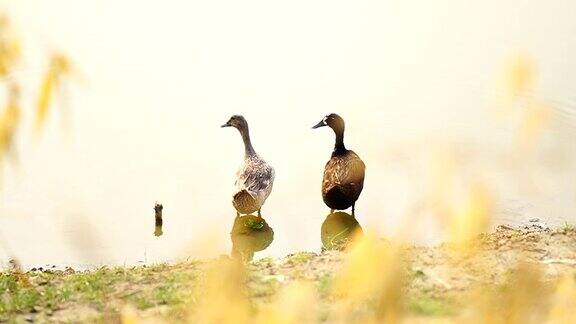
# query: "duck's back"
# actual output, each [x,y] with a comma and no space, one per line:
[343,180]
[253,184]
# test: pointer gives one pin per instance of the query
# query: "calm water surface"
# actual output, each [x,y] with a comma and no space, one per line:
[417,88]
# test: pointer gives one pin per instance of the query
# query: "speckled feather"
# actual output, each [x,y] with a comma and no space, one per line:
[346,173]
[256,178]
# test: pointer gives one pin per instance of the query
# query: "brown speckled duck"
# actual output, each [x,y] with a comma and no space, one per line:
[254,178]
[344,173]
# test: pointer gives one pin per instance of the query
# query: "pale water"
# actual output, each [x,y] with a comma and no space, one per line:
[157,80]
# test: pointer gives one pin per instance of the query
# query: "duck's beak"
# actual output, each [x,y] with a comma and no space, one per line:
[226,125]
[322,123]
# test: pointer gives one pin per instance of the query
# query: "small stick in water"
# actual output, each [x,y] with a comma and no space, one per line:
[158,217]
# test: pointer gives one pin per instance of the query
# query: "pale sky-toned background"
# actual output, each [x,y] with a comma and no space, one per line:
[159,77]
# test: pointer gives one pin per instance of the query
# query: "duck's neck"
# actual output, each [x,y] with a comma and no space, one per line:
[248,149]
[339,147]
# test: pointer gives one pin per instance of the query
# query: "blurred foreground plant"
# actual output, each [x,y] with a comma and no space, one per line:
[459,201]
[470,215]
[521,299]
[373,274]
[222,298]
[563,301]
[527,110]
[57,72]
[296,303]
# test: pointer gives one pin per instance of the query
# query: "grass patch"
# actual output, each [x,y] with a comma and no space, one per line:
[325,284]
[300,257]
[15,296]
[105,288]
[567,227]
[429,306]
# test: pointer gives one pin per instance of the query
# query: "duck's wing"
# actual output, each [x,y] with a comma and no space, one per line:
[347,169]
[259,179]
[256,176]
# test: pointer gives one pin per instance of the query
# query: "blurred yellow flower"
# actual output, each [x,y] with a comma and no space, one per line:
[58,69]
[520,75]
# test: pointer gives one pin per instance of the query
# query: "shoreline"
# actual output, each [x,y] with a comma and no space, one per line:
[436,278]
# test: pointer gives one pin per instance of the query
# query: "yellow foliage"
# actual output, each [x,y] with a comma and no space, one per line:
[521,300]
[296,303]
[463,205]
[128,315]
[470,215]
[9,47]
[222,298]
[520,101]
[59,68]
[520,75]
[564,301]
[9,120]
[10,54]
[10,113]
[535,118]
[372,270]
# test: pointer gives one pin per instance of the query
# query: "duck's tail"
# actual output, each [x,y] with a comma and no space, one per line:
[339,197]
[244,202]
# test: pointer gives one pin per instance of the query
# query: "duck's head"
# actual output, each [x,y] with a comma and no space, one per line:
[333,121]
[238,122]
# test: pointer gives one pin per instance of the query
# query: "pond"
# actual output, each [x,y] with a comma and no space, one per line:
[419,86]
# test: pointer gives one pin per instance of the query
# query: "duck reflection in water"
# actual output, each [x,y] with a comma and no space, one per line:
[338,230]
[250,234]
[158,219]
